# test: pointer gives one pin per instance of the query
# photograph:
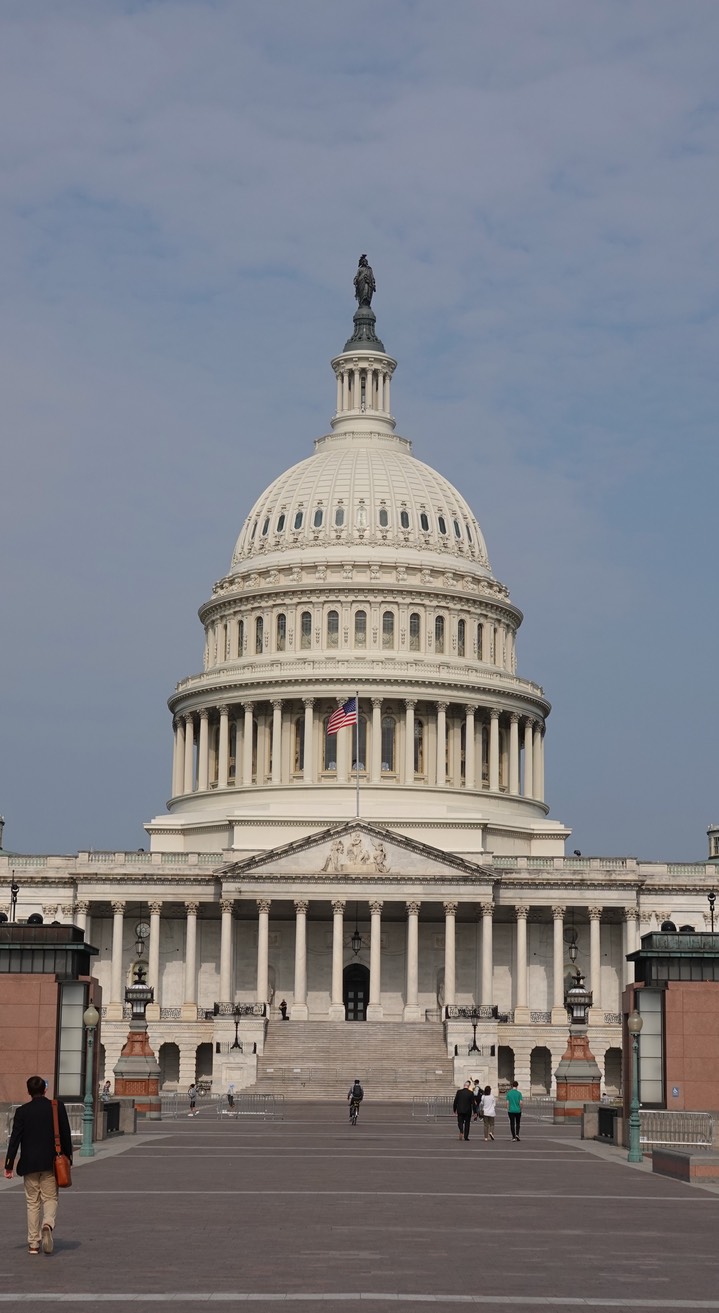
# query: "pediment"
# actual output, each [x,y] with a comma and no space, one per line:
[357,850]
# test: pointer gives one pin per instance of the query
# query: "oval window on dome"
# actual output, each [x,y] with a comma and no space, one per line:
[469,534]
[424,522]
[254,531]
[266,527]
[383,517]
[281,523]
[299,517]
[339,517]
[441,524]
[318,517]
[404,519]
[457,529]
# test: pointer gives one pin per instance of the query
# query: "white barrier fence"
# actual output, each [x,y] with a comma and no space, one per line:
[676,1129]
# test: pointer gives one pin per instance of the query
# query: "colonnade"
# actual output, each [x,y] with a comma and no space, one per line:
[483,911]
[441,744]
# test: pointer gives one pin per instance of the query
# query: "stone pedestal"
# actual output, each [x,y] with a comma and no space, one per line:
[137,1072]
[578,1077]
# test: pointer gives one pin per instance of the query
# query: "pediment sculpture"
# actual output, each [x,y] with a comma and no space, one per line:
[356,854]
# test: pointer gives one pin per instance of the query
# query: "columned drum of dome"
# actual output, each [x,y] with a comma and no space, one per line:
[360,569]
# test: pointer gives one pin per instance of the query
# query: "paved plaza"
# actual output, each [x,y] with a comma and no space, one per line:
[396,1212]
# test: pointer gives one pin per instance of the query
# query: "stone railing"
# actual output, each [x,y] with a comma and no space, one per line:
[240,1010]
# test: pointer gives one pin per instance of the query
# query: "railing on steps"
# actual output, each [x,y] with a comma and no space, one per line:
[332,1075]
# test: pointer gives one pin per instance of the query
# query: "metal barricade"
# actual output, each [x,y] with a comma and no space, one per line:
[432,1107]
[74,1116]
[251,1105]
[675,1129]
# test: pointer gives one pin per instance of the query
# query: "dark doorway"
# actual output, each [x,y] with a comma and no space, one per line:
[356,991]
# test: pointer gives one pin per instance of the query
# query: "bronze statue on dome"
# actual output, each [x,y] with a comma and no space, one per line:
[364,282]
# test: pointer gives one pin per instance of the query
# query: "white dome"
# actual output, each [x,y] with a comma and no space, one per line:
[363,489]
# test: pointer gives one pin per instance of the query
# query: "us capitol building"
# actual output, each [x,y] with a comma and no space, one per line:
[403,873]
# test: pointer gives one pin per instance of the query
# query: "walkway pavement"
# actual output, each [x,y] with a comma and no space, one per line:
[394,1213]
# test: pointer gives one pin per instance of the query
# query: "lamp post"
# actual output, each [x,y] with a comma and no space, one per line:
[14,891]
[236,1043]
[711,899]
[474,1046]
[90,1018]
[634,1025]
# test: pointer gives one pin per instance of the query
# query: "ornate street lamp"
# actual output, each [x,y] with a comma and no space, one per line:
[634,1026]
[474,1018]
[90,1018]
[236,1042]
[711,899]
[578,1002]
[14,891]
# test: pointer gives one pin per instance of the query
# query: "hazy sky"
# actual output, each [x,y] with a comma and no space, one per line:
[184,191]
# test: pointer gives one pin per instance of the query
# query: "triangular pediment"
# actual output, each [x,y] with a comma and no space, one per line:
[357,850]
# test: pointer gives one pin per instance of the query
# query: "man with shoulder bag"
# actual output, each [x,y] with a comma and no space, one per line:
[41,1131]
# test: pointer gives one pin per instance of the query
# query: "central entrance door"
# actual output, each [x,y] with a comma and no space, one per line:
[356,991]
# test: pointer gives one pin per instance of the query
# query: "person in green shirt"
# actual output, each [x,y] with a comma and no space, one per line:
[514,1108]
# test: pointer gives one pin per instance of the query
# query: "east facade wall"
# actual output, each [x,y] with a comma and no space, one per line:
[691,1021]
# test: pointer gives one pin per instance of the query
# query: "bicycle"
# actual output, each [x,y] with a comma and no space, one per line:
[354,1112]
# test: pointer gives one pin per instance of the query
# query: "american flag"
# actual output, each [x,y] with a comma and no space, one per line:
[346,715]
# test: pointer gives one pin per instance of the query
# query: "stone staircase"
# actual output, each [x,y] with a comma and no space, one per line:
[320,1059]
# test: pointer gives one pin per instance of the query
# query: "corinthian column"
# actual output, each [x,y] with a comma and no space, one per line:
[409,742]
[487,950]
[469,742]
[188,1011]
[450,973]
[494,750]
[595,959]
[374,1008]
[299,1010]
[247,744]
[558,1011]
[223,749]
[514,753]
[178,757]
[337,1007]
[411,1008]
[277,741]
[203,752]
[152,1011]
[227,992]
[521,1010]
[528,759]
[114,1006]
[189,780]
[308,773]
[441,772]
[263,946]
[376,754]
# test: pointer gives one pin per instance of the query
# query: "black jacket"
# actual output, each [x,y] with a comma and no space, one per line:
[463,1102]
[33,1134]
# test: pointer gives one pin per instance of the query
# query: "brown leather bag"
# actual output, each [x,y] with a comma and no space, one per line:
[62,1166]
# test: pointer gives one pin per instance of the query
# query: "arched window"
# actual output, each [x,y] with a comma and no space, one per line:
[240,637]
[389,734]
[404,519]
[388,629]
[495,645]
[383,517]
[259,633]
[329,759]
[419,747]
[281,523]
[439,634]
[266,527]
[360,628]
[457,529]
[461,637]
[333,628]
[281,632]
[339,517]
[415,631]
[299,752]
[442,524]
[469,534]
[360,745]
[480,642]
[254,531]
[299,517]
[318,517]
[424,522]
[306,629]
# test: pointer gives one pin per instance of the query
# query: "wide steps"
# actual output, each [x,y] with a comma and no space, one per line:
[320,1059]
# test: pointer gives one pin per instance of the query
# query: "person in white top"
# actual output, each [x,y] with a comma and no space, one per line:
[488,1112]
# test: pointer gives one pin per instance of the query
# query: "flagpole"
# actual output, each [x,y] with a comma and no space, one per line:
[357,805]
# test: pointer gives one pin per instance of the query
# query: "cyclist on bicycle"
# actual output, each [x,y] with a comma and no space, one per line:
[355,1096]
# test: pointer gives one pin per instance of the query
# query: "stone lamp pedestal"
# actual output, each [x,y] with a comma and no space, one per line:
[137,1071]
[578,1076]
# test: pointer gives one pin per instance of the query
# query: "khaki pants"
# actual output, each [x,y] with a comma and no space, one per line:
[41,1196]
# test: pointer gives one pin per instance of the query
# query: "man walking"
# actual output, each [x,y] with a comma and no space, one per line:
[464,1106]
[33,1134]
[514,1108]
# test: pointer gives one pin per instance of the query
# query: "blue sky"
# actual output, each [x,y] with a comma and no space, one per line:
[184,191]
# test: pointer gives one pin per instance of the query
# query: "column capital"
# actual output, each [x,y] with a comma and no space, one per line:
[377,703]
[191,908]
[413,908]
[410,703]
[118,907]
[227,904]
[277,704]
[646,917]
[376,907]
[204,713]
[487,909]
[188,717]
[494,713]
[521,911]
[263,904]
[155,908]
[67,910]
[301,905]
[471,709]
[338,906]
[82,907]
[631,914]
[595,913]
[514,717]
[248,706]
[529,722]
[558,912]
[308,703]
[450,908]
[223,709]
[177,721]
[441,706]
